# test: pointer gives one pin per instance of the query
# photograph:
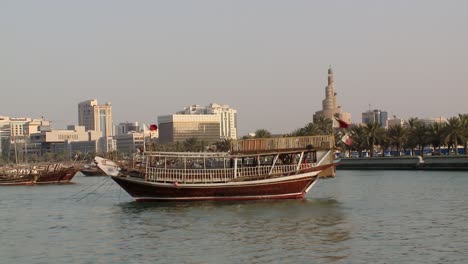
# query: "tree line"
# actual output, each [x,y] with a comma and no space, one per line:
[414,134]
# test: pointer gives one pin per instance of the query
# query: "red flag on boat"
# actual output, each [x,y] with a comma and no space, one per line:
[176,184]
[347,139]
[153,127]
[339,123]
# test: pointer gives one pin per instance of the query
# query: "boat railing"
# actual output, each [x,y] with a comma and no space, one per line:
[32,169]
[219,175]
[282,143]
[189,175]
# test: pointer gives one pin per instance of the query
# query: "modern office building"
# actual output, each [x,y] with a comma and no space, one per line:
[96,117]
[432,120]
[18,125]
[57,140]
[330,107]
[395,121]
[4,133]
[15,132]
[180,127]
[36,126]
[378,116]
[130,142]
[227,117]
[127,127]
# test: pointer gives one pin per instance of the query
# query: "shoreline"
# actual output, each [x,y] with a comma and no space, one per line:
[447,163]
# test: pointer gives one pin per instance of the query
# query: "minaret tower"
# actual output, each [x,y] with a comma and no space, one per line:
[330,106]
[329,103]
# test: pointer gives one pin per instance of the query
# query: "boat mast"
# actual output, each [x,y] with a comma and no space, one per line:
[16,151]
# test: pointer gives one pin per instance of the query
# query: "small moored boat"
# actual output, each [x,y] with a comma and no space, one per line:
[29,174]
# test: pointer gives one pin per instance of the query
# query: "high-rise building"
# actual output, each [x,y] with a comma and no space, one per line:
[378,116]
[330,107]
[96,117]
[227,117]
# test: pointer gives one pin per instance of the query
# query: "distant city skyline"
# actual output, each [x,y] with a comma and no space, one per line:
[267,59]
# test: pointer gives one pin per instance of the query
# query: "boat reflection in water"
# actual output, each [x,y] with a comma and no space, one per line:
[275,231]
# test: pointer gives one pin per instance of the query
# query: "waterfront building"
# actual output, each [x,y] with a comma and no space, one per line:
[378,116]
[17,126]
[227,117]
[37,125]
[4,133]
[330,107]
[395,121]
[180,127]
[439,119]
[57,141]
[130,142]
[96,117]
[15,132]
[72,133]
[127,127]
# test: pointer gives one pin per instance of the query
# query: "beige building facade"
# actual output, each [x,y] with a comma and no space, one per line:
[180,127]
[96,117]
[73,133]
[227,117]
[130,142]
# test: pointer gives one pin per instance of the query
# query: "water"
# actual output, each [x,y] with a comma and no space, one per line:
[358,217]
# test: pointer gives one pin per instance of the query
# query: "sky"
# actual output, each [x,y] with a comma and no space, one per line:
[266,58]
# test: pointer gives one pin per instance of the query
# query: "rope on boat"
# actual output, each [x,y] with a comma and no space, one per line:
[93,190]
[103,191]
[82,190]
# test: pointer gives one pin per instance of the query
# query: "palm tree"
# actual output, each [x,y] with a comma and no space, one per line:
[453,133]
[311,129]
[359,137]
[324,125]
[194,145]
[420,135]
[262,133]
[223,145]
[383,141]
[411,125]
[436,135]
[464,120]
[372,131]
[396,135]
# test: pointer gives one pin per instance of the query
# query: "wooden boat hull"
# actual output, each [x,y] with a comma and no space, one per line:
[57,177]
[293,187]
[17,181]
[93,172]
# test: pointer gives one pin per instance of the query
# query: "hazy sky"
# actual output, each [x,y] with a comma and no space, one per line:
[267,59]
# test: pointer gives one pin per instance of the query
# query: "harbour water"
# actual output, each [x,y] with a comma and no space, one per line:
[357,217]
